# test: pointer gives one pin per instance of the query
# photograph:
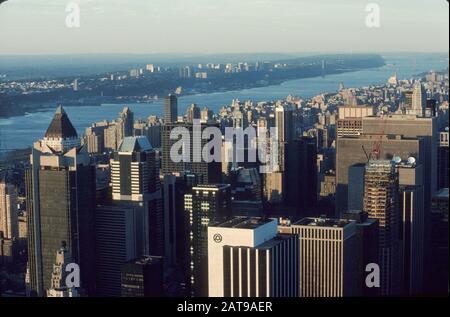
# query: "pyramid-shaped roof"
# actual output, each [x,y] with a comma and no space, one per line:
[61,127]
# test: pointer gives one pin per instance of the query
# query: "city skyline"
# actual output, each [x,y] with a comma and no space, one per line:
[206,28]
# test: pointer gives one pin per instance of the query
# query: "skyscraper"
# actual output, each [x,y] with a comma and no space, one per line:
[248,258]
[60,189]
[170,109]
[207,172]
[367,250]
[205,204]
[9,224]
[143,277]
[301,176]
[355,150]
[193,112]
[117,241]
[135,183]
[328,248]
[411,203]
[443,168]
[419,100]
[437,282]
[125,124]
[381,202]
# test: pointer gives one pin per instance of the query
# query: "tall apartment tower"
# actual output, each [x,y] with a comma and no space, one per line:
[170,108]
[192,113]
[205,204]
[381,186]
[328,249]
[60,190]
[208,172]
[135,182]
[419,99]
[248,258]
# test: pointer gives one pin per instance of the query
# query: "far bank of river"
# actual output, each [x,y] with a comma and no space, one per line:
[20,132]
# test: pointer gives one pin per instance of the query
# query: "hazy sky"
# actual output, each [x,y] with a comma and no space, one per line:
[222,26]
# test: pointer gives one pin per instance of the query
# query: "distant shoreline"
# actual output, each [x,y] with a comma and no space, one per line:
[39,107]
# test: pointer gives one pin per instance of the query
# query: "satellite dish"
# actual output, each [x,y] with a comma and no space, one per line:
[411,160]
[397,159]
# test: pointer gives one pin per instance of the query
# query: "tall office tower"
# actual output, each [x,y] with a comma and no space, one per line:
[367,251]
[356,186]
[419,128]
[143,277]
[170,109]
[381,202]
[284,122]
[437,282]
[355,150]
[350,119]
[185,182]
[117,241]
[205,204]
[328,248]
[152,129]
[135,182]
[60,190]
[9,223]
[176,221]
[419,99]
[126,124]
[111,141]
[193,112]
[443,160]
[412,225]
[248,258]
[58,287]
[207,172]
[246,192]
[301,176]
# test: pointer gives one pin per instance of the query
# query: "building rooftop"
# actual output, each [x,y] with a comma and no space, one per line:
[443,193]
[275,241]
[146,259]
[243,223]
[135,144]
[61,127]
[323,222]
[210,187]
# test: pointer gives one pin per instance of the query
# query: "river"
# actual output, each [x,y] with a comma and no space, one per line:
[21,131]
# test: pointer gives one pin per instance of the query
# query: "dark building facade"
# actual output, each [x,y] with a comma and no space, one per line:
[301,176]
[143,277]
[60,191]
[170,109]
[205,204]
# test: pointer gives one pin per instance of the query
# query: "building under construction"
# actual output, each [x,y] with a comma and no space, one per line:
[381,202]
